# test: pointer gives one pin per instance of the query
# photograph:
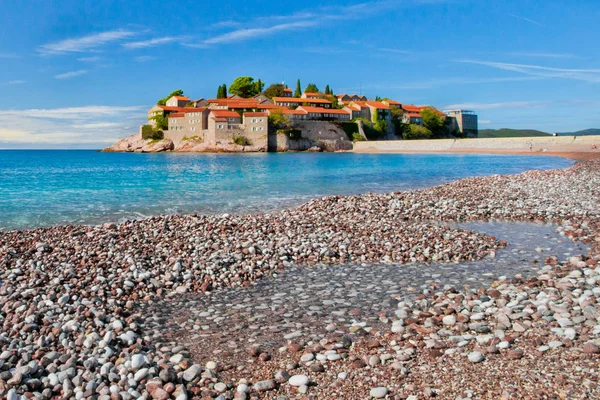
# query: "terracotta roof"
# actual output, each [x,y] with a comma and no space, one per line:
[255,114]
[339,96]
[224,114]
[378,104]
[293,112]
[287,90]
[321,110]
[220,119]
[181,98]
[392,102]
[312,93]
[182,109]
[267,106]
[175,115]
[417,109]
[299,100]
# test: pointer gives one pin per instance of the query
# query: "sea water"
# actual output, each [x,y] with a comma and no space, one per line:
[51,187]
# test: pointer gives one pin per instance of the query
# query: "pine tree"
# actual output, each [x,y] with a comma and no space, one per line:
[220,92]
[298,92]
[224,91]
[327,90]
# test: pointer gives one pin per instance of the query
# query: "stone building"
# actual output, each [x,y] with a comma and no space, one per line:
[465,121]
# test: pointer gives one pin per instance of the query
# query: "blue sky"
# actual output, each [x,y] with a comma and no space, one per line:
[83,73]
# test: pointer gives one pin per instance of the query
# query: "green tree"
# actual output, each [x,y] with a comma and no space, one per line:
[334,102]
[278,119]
[222,92]
[259,86]
[311,88]
[161,121]
[298,92]
[244,86]
[328,90]
[397,116]
[274,90]
[416,132]
[163,101]
[433,121]
[377,98]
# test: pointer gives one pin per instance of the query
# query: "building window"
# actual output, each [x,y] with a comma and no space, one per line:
[261,128]
[260,120]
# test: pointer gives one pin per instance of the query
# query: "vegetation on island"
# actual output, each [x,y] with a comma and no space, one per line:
[311,88]
[508,133]
[245,87]
[298,91]
[242,141]
[150,133]
[222,92]
[163,101]
[274,90]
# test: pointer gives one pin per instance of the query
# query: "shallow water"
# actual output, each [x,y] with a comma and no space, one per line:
[304,301]
[41,188]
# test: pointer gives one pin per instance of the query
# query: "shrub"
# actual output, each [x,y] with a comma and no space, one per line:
[357,137]
[241,141]
[149,133]
[416,132]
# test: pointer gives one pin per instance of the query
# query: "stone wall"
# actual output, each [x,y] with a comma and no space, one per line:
[326,135]
[538,144]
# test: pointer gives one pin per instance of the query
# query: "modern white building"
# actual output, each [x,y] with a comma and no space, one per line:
[465,120]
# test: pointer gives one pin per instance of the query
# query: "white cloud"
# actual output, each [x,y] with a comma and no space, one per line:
[493,106]
[13,82]
[85,43]
[71,74]
[531,21]
[583,74]
[89,59]
[145,58]
[81,125]
[269,25]
[151,42]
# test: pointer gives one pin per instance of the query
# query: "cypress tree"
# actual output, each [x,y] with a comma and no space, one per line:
[327,90]
[224,91]
[298,92]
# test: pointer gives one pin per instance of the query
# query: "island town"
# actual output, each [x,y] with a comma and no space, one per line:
[248,117]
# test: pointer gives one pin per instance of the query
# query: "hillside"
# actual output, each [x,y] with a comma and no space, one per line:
[585,132]
[507,132]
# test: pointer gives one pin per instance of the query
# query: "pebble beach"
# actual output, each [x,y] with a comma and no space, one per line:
[482,288]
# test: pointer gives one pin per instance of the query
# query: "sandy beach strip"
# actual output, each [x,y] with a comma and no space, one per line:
[75,299]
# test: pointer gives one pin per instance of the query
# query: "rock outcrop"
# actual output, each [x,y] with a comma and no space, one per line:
[135,143]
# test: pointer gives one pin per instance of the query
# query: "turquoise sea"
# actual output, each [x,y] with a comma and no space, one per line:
[51,187]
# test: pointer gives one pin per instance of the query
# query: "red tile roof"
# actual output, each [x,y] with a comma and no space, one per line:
[393,102]
[182,109]
[417,109]
[267,106]
[224,114]
[287,90]
[299,100]
[321,110]
[255,114]
[312,93]
[176,115]
[378,105]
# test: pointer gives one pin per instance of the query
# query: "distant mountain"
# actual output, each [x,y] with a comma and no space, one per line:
[507,133]
[585,132]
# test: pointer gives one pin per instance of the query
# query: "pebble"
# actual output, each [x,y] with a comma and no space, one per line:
[298,380]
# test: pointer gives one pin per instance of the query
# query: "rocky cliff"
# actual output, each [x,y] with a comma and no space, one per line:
[135,143]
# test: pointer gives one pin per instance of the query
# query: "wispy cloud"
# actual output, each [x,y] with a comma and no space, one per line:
[8,55]
[145,58]
[251,33]
[89,59]
[13,82]
[94,125]
[584,74]
[422,84]
[71,74]
[396,51]
[151,42]
[272,24]
[541,55]
[494,106]
[85,43]
[531,21]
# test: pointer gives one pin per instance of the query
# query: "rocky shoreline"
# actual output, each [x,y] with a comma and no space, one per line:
[75,300]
